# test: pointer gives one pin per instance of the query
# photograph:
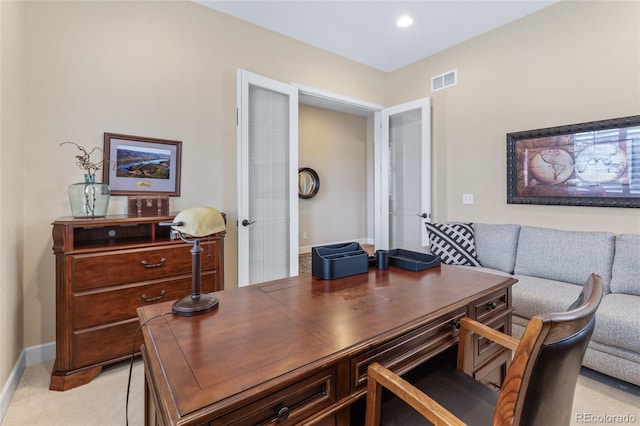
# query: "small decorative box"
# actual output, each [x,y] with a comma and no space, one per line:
[338,260]
[412,261]
[148,205]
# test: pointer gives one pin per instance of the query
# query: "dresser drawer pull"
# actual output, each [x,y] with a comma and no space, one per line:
[455,325]
[492,305]
[282,414]
[153,265]
[153,299]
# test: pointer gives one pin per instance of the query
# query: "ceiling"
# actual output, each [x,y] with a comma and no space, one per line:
[366,32]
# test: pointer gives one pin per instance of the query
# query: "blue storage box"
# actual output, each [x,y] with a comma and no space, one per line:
[338,260]
[412,260]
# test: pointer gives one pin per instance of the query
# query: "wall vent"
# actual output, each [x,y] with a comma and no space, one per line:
[445,80]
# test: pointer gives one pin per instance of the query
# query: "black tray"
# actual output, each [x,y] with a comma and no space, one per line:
[412,260]
[338,260]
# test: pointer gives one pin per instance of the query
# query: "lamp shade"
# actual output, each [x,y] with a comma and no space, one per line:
[199,221]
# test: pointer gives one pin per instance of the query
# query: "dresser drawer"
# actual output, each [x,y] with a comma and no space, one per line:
[105,306]
[491,305]
[102,344]
[404,353]
[90,271]
[289,405]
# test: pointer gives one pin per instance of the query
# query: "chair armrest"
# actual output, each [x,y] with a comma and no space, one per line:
[487,332]
[426,406]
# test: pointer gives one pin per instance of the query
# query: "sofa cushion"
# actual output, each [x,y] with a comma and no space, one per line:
[534,296]
[568,256]
[625,275]
[618,321]
[613,361]
[453,242]
[496,245]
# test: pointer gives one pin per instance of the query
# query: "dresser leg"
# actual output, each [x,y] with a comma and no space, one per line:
[62,381]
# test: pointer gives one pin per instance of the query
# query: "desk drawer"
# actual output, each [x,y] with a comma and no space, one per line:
[403,353]
[484,349]
[90,271]
[490,305]
[102,307]
[289,405]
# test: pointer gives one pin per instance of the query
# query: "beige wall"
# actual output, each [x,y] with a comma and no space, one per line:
[334,144]
[12,121]
[168,70]
[157,69]
[570,63]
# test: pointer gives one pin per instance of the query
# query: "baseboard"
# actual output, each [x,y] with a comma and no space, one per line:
[28,356]
[40,353]
[12,384]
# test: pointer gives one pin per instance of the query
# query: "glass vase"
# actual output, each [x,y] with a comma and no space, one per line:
[88,198]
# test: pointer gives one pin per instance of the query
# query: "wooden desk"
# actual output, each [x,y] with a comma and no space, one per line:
[296,350]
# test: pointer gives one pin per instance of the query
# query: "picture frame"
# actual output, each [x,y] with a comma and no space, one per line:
[594,164]
[141,165]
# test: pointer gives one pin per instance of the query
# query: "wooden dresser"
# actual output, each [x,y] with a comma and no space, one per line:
[105,269]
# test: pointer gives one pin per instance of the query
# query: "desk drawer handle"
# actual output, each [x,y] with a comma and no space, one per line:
[455,325]
[282,414]
[492,305]
[153,265]
[153,299]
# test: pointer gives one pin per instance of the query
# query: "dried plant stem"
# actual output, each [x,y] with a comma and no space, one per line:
[84,161]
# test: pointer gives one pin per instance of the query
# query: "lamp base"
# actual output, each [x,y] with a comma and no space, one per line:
[189,306]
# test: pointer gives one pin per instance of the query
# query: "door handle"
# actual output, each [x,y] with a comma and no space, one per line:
[423,215]
[247,222]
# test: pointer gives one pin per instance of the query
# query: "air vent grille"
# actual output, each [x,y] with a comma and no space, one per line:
[445,80]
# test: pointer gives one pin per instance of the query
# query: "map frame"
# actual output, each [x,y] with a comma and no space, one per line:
[594,164]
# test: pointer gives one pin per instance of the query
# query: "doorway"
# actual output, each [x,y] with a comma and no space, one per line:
[334,144]
[380,224]
[339,111]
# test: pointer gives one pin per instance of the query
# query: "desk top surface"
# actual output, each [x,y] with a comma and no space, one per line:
[265,334]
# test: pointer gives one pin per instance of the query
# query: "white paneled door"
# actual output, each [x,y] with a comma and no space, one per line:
[267,179]
[403,159]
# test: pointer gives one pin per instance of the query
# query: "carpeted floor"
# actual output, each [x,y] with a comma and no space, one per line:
[599,400]
[305,264]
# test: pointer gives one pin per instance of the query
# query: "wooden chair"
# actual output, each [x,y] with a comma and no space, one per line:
[538,388]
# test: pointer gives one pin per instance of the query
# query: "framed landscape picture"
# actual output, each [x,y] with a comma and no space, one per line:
[140,165]
[588,164]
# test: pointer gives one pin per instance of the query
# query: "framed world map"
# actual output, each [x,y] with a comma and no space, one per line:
[588,164]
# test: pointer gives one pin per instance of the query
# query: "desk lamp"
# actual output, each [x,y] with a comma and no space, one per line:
[190,225]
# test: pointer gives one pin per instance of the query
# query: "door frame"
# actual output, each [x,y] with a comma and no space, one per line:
[334,102]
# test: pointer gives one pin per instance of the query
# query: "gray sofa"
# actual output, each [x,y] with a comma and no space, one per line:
[551,266]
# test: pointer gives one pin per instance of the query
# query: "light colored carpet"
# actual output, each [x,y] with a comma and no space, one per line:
[599,400]
[100,402]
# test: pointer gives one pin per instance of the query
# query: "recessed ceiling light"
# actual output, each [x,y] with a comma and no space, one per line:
[404,21]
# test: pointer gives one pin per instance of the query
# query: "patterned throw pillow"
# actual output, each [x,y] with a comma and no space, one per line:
[453,242]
